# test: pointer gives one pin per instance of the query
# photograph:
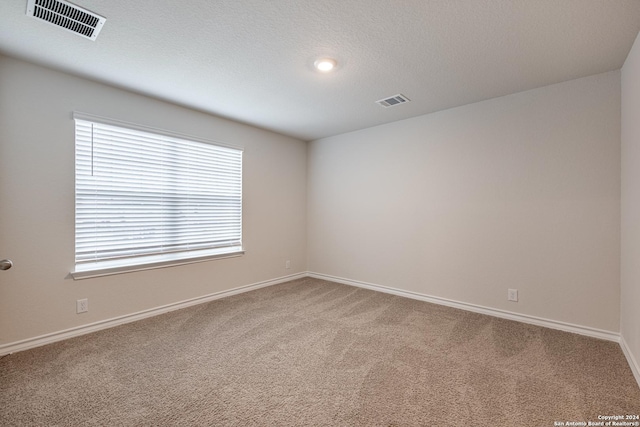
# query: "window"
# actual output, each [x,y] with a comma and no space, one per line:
[146,199]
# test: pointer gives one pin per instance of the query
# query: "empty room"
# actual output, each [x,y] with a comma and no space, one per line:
[320,213]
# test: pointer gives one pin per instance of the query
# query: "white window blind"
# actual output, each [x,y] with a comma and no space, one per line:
[144,197]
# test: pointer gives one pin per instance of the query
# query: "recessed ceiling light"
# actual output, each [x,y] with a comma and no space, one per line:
[325,64]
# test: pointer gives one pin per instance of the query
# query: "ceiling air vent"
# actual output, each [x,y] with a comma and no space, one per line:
[394,100]
[68,16]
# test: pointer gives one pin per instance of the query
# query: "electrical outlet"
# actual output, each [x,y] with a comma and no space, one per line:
[82,305]
[287,264]
[512,295]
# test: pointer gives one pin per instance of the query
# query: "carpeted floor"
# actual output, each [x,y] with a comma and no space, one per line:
[316,353]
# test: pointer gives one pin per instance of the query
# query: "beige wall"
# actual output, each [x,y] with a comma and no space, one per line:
[519,192]
[630,257]
[37,204]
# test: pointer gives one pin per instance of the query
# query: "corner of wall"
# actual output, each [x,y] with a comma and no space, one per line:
[630,209]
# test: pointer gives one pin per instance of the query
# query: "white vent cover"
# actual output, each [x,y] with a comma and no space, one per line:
[394,100]
[68,16]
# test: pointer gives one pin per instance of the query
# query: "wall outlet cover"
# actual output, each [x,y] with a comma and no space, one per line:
[82,305]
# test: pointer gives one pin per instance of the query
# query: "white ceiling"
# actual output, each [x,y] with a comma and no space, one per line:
[252,60]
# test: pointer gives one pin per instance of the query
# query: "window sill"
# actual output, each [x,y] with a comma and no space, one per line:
[87,271]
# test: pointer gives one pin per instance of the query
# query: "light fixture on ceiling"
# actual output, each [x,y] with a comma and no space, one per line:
[325,64]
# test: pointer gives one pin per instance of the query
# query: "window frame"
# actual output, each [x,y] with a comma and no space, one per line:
[87,269]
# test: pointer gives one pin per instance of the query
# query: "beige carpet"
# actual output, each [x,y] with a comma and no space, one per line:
[316,353]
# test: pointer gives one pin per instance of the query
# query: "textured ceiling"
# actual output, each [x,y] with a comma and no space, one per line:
[252,60]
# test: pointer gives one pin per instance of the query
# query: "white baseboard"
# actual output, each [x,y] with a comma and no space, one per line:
[633,363]
[128,318]
[524,318]
[109,323]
